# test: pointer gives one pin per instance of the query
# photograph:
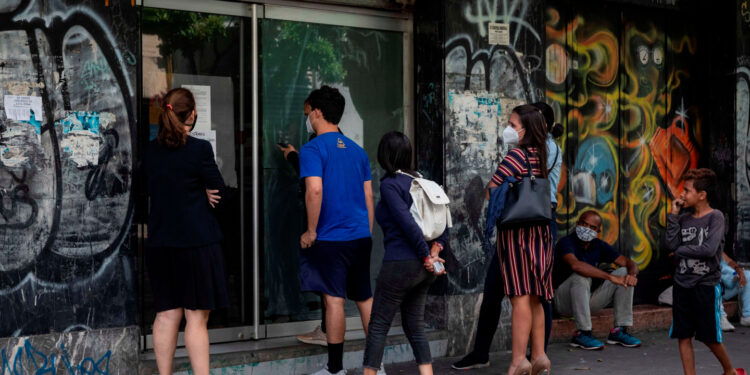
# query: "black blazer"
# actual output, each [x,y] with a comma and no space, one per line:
[177,178]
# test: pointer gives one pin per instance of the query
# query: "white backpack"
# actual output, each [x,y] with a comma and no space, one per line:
[430,208]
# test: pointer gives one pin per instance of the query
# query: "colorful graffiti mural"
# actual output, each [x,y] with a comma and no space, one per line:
[631,133]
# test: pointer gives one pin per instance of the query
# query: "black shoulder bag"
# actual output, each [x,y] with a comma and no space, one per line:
[528,200]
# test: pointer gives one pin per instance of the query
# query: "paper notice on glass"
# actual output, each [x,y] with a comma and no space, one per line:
[209,135]
[499,33]
[19,107]
[203,105]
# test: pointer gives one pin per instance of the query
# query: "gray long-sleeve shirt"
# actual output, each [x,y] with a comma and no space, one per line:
[696,245]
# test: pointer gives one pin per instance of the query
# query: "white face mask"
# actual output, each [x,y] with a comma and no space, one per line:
[585,234]
[309,125]
[510,136]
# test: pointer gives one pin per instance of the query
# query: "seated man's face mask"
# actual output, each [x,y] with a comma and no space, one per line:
[585,234]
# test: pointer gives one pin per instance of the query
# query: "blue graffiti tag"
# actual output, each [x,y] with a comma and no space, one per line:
[92,72]
[40,363]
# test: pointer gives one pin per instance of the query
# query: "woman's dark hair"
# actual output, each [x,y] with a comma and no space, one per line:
[536,133]
[178,104]
[329,101]
[553,127]
[394,153]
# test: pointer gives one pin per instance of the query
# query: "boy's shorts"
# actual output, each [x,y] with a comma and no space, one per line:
[338,268]
[696,313]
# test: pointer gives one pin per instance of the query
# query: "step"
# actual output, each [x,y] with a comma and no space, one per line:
[285,355]
[645,318]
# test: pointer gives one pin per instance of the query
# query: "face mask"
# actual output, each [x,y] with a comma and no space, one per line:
[510,136]
[585,234]
[195,121]
[309,125]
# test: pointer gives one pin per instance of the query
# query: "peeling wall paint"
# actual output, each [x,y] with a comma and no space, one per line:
[483,83]
[477,120]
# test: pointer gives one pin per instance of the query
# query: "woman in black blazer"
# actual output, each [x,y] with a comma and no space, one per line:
[183,253]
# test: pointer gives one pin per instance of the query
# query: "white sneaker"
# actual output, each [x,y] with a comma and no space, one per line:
[324,371]
[381,371]
[745,321]
[316,337]
[725,325]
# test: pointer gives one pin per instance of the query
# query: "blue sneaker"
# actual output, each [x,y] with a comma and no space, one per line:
[585,340]
[620,336]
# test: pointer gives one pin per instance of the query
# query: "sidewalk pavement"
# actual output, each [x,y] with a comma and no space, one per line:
[658,355]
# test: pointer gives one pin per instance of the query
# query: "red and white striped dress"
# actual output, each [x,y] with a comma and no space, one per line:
[525,253]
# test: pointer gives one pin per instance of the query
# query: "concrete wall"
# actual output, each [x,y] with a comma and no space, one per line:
[66,204]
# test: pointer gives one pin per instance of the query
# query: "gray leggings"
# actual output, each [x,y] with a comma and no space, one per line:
[403,285]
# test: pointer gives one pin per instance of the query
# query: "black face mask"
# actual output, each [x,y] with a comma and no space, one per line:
[195,120]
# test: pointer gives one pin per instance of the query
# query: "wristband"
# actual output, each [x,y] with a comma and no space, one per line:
[427,259]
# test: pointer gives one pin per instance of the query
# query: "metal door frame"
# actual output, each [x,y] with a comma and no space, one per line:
[336,15]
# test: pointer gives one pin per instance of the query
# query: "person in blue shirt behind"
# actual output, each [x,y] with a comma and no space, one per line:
[576,276]
[335,256]
[407,270]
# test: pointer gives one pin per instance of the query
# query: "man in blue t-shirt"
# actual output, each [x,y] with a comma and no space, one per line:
[576,268]
[335,258]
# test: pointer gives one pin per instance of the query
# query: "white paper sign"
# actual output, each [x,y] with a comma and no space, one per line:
[499,33]
[18,107]
[203,105]
[209,135]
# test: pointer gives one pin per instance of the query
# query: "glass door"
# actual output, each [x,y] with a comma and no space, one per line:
[252,66]
[367,66]
[206,53]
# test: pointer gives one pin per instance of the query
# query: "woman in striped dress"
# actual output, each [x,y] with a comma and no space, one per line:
[525,252]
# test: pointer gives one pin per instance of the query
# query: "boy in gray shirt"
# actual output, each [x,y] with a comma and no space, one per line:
[695,238]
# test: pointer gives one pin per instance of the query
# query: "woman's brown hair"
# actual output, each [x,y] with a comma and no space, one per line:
[533,121]
[177,106]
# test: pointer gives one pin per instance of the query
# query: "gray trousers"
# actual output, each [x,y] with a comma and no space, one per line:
[574,298]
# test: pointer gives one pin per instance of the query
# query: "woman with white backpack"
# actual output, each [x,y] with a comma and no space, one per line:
[410,260]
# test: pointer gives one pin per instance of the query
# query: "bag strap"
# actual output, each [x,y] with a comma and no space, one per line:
[419,175]
[528,164]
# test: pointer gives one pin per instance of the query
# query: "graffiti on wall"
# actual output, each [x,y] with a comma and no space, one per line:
[102,351]
[472,64]
[629,124]
[65,173]
[27,359]
[483,83]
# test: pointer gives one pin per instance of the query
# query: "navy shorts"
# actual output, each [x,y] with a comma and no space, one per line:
[695,313]
[337,268]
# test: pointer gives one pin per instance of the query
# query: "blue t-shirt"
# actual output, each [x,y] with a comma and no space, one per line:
[344,168]
[598,252]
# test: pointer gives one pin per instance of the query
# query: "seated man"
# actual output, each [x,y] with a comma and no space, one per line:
[577,257]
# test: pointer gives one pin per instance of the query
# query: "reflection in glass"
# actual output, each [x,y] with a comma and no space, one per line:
[367,67]
[200,51]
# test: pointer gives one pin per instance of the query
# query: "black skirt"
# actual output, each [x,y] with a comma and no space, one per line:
[191,278]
